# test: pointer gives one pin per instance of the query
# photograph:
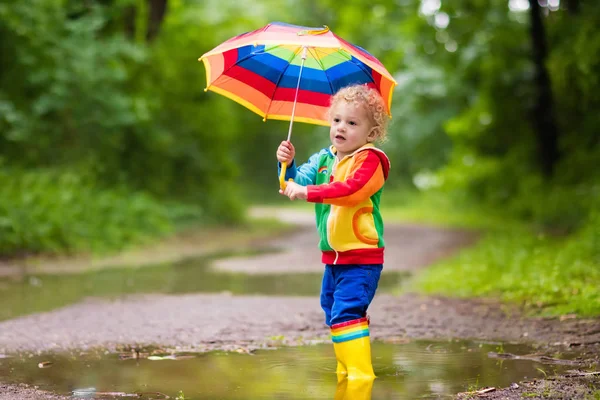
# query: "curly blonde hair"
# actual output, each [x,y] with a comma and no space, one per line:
[371,100]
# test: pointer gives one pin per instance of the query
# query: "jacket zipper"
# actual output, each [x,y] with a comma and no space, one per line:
[335,163]
[328,240]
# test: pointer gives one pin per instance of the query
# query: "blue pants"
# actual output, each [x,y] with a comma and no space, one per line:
[348,290]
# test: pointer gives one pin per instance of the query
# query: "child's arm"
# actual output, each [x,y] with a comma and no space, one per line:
[304,175]
[363,181]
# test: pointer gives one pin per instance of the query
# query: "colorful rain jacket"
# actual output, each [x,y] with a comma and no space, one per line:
[347,194]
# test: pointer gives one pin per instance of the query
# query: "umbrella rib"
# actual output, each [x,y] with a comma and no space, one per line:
[363,69]
[318,60]
[279,79]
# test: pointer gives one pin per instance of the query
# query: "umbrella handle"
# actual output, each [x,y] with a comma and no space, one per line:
[282,184]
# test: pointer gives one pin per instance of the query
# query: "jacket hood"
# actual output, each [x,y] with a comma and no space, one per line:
[385,161]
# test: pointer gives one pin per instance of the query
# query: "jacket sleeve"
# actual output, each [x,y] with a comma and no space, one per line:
[304,175]
[364,180]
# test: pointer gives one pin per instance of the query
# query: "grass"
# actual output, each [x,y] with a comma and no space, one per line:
[594,396]
[550,275]
[514,262]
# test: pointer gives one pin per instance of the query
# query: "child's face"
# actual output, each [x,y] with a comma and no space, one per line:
[351,127]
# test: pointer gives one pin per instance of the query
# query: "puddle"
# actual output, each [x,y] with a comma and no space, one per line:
[39,293]
[420,369]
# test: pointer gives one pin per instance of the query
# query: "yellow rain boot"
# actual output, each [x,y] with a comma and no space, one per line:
[340,369]
[340,389]
[353,349]
[354,389]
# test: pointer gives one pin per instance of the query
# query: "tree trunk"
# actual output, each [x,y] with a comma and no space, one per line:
[544,123]
[156,14]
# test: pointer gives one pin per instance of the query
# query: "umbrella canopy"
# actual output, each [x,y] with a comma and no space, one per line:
[290,72]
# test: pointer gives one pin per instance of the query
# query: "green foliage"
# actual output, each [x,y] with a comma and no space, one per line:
[78,92]
[547,274]
[495,158]
[65,93]
[186,151]
[61,211]
[561,204]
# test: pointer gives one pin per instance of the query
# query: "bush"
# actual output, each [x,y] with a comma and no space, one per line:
[56,211]
[553,276]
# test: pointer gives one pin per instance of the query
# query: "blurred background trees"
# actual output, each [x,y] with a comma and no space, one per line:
[107,135]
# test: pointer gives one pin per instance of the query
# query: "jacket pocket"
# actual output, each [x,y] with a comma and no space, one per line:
[363,226]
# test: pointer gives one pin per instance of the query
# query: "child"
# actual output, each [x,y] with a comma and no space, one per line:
[345,182]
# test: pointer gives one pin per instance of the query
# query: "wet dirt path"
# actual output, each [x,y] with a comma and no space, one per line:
[204,322]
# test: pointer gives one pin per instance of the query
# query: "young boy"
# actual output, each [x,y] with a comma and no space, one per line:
[345,182]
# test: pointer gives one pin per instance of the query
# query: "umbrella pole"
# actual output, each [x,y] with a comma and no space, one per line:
[304,51]
[282,184]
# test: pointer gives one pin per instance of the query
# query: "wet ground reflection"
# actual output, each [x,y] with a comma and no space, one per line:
[38,293]
[420,369]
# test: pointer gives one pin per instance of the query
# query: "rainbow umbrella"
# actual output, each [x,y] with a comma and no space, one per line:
[289,72]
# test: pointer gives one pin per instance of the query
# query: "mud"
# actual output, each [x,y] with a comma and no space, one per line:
[26,392]
[212,322]
[559,388]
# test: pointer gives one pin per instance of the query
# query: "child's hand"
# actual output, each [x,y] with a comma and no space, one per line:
[295,191]
[286,152]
